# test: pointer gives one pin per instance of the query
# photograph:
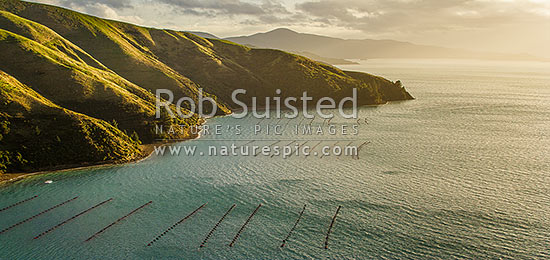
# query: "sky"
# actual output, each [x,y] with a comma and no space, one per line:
[507,26]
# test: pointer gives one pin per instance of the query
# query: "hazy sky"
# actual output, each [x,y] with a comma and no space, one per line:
[513,26]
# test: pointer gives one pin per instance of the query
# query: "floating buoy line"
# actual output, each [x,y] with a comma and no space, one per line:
[293,227]
[331,225]
[177,223]
[37,215]
[216,226]
[157,238]
[18,203]
[71,219]
[118,220]
[244,225]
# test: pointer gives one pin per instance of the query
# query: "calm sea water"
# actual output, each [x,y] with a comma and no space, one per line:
[463,171]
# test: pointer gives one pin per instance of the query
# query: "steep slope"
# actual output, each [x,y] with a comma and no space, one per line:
[36,133]
[45,36]
[74,86]
[220,67]
[217,66]
[106,41]
[41,56]
[78,86]
[289,40]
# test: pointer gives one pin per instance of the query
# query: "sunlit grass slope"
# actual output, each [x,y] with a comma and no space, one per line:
[36,133]
[70,78]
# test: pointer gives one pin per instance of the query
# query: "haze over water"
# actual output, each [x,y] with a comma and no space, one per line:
[460,172]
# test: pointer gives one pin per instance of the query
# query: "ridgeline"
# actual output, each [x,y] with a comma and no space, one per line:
[76,89]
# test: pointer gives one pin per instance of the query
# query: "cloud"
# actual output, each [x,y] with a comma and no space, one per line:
[105,11]
[414,16]
[250,13]
[372,17]
[108,9]
[225,7]
[514,25]
[117,4]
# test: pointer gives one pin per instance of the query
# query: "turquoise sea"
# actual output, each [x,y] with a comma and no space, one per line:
[462,172]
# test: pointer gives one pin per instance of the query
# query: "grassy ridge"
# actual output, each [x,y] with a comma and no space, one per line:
[78,86]
[139,54]
[74,87]
[37,133]
[113,43]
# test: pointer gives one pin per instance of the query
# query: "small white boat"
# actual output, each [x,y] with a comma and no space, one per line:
[48,182]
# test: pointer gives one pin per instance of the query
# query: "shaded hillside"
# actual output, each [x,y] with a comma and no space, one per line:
[53,69]
[285,39]
[84,72]
[36,133]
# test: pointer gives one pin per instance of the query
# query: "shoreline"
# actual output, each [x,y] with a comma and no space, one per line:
[148,150]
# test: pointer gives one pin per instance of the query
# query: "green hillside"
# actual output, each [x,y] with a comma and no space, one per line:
[112,43]
[153,58]
[36,133]
[100,74]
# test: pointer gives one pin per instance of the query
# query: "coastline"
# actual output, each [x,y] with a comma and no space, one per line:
[147,151]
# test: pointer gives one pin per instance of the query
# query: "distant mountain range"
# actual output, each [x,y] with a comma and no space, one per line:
[76,89]
[313,56]
[288,40]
